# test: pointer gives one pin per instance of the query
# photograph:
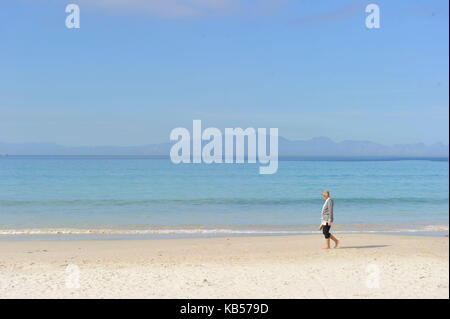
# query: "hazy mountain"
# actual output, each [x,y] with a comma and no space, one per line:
[55,149]
[322,146]
[319,146]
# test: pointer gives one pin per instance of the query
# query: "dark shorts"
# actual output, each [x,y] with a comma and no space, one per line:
[326,231]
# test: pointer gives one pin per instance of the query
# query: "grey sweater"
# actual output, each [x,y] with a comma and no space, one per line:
[327,211]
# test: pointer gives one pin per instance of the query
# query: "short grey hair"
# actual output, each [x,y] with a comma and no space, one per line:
[325,192]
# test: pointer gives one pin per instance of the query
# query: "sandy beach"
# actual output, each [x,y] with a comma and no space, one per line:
[365,266]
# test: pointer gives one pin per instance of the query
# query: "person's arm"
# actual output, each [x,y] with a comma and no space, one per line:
[330,209]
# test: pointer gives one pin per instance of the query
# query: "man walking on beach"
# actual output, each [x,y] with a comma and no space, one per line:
[327,219]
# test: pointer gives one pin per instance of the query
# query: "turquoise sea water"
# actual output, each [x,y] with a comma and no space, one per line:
[142,195]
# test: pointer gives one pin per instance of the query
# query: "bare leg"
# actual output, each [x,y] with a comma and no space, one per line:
[327,246]
[336,241]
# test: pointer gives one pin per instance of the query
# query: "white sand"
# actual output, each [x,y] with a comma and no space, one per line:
[366,266]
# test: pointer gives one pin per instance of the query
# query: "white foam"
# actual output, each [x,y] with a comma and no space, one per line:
[212,231]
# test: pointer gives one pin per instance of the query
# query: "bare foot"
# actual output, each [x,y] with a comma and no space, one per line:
[325,247]
[336,243]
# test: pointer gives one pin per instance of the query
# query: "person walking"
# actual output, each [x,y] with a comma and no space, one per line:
[327,220]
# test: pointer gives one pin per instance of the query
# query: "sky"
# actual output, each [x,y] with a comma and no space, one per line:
[136,69]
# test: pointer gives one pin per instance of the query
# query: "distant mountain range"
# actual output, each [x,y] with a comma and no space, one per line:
[318,146]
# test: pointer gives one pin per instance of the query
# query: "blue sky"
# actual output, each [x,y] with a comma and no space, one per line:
[137,69]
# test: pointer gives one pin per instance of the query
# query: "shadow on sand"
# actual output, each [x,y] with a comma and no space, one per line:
[363,247]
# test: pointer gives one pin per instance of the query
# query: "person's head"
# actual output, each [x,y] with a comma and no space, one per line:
[325,194]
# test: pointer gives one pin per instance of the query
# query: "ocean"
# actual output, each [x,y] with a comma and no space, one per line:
[121,196]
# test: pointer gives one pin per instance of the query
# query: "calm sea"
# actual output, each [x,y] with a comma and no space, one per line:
[151,196]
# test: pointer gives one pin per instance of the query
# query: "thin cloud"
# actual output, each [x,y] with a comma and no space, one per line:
[180,9]
[165,9]
[336,14]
